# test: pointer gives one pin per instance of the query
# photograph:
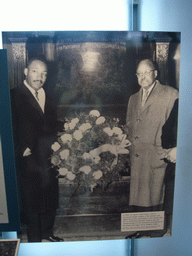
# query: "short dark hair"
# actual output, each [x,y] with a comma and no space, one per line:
[36,59]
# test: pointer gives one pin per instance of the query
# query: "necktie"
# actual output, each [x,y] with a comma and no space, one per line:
[36,94]
[145,96]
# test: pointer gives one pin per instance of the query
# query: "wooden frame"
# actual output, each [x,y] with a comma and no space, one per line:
[9,247]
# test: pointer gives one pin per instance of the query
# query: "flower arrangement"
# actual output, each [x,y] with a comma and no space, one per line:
[89,150]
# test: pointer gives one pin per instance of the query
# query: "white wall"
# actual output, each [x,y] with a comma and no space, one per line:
[169,15]
[42,15]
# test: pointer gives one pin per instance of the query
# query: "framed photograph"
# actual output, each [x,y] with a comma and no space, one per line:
[9,211]
[9,247]
[91,149]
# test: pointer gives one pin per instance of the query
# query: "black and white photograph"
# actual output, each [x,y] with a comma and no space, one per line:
[94,117]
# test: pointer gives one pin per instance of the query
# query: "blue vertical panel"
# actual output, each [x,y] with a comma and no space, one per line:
[7,148]
[170,15]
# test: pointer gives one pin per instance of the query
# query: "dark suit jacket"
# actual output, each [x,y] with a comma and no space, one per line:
[35,130]
[169,129]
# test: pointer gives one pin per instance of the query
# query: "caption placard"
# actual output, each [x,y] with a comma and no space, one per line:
[142,221]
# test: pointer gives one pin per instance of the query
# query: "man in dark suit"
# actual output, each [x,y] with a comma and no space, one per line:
[169,142]
[35,128]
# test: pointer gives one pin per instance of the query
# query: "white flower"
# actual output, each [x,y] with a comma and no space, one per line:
[73,123]
[86,169]
[85,127]
[66,137]
[64,154]
[97,175]
[93,153]
[66,126]
[75,120]
[100,120]
[78,135]
[108,131]
[55,160]
[71,176]
[122,138]
[55,146]
[86,156]
[96,159]
[117,130]
[63,171]
[94,113]
[116,119]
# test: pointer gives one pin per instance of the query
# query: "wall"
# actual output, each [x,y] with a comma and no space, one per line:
[172,15]
[65,15]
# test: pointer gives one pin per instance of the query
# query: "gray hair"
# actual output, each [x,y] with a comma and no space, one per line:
[148,62]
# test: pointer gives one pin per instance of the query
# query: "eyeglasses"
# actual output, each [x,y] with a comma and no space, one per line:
[144,74]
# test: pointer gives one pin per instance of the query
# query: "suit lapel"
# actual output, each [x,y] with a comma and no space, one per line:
[138,103]
[153,96]
[31,99]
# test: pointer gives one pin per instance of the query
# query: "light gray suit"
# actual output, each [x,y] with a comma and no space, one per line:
[144,131]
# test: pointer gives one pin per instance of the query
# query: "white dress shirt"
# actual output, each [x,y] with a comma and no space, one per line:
[41,102]
[41,95]
[149,91]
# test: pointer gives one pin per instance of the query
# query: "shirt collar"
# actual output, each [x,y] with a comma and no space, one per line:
[150,88]
[31,89]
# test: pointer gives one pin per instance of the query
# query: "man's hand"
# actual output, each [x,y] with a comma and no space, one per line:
[171,155]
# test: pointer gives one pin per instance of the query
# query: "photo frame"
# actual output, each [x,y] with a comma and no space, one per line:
[9,247]
[9,212]
[92,75]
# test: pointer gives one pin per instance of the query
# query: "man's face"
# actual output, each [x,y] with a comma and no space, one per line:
[36,74]
[146,75]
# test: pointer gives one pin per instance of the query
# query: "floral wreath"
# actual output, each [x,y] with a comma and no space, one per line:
[89,150]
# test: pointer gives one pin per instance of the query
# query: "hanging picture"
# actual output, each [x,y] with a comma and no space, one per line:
[95,132]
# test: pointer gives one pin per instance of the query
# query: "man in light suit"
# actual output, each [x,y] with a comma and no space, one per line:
[147,112]
[35,127]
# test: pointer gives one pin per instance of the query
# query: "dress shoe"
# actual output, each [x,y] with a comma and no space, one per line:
[139,235]
[54,239]
[132,236]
